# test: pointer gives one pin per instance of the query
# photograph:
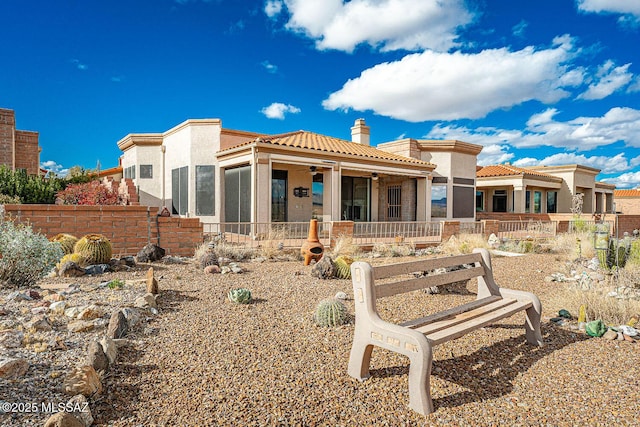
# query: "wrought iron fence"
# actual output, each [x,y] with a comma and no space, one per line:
[475,227]
[368,233]
[527,229]
[256,234]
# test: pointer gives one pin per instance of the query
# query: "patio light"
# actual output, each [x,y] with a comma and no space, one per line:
[374,176]
[313,170]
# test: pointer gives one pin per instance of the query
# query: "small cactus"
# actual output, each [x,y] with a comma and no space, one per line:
[95,248]
[330,312]
[240,296]
[343,267]
[67,242]
[74,257]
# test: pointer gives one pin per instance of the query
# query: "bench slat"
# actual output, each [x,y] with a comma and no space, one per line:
[394,288]
[461,329]
[384,271]
[450,312]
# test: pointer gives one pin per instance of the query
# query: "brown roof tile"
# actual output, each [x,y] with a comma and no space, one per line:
[509,170]
[315,141]
[626,193]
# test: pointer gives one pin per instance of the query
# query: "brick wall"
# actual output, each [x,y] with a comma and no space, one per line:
[628,223]
[128,227]
[630,206]
[7,129]
[27,151]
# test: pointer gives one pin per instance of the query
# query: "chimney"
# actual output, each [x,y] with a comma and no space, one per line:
[360,132]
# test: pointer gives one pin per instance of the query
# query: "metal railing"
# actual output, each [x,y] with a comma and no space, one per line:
[527,229]
[369,233]
[472,227]
[583,225]
[256,234]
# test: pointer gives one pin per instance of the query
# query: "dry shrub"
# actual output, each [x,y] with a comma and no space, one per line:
[629,276]
[463,244]
[344,246]
[394,250]
[611,310]
[574,245]
[234,252]
[201,250]
[272,244]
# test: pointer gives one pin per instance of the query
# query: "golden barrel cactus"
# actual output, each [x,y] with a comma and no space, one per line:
[94,248]
[67,241]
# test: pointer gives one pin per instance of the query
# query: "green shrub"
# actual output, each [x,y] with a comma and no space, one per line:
[28,188]
[9,200]
[25,256]
[616,255]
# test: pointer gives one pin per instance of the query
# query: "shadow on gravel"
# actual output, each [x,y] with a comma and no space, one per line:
[490,371]
[170,299]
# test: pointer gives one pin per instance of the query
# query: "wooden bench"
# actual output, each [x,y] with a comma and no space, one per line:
[416,338]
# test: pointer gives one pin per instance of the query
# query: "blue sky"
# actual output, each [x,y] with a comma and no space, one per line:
[536,83]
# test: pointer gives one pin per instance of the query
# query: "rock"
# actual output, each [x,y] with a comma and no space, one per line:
[110,349]
[39,323]
[225,270]
[628,338]
[212,269]
[83,380]
[150,253]
[118,325]
[72,312]
[33,294]
[610,335]
[91,312]
[39,309]
[493,241]
[132,315]
[63,419]
[235,268]
[58,307]
[96,269]
[3,311]
[13,368]
[11,338]
[96,357]
[129,261]
[152,283]
[341,295]
[71,269]
[324,269]
[17,295]
[148,300]
[55,297]
[57,343]
[80,326]
[79,407]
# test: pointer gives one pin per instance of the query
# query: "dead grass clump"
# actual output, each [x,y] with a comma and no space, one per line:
[233,252]
[463,244]
[344,246]
[574,245]
[272,244]
[629,276]
[613,311]
[394,250]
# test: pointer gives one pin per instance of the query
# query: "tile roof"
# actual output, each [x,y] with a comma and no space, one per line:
[626,193]
[327,144]
[509,170]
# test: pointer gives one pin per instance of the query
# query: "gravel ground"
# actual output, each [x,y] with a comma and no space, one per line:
[206,361]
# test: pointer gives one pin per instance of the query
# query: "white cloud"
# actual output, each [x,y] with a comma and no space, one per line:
[607,165]
[626,180]
[272,8]
[450,86]
[623,7]
[608,79]
[277,110]
[494,154]
[385,24]
[619,124]
[520,28]
[50,165]
[269,67]
[79,65]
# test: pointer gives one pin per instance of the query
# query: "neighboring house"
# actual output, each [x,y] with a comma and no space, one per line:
[627,201]
[19,149]
[541,189]
[201,169]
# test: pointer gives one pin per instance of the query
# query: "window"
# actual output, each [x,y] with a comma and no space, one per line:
[180,190]
[146,171]
[279,180]
[500,201]
[130,172]
[355,198]
[237,195]
[439,201]
[317,196]
[394,202]
[537,202]
[205,189]
[552,201]
[527,201]
[479,201]
[463,202]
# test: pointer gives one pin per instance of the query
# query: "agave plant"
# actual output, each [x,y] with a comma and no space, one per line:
[240,296]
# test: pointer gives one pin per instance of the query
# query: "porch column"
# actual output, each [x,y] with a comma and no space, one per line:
[519,196]
[261,206]
[588,205]
[609,203]
[375,198]
[335,187]
[423,199]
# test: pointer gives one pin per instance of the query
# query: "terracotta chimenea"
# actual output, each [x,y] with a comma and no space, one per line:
[312,248]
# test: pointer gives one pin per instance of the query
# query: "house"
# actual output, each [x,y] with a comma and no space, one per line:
[19,149]
[627,201]
[199,168]
[541,189]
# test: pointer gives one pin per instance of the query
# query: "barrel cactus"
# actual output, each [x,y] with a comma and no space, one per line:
[240,296]
[330,312]
[95,248]
[343,267]
[74,257]
[67,241]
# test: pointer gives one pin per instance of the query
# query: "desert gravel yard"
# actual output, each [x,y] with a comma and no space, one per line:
[204,361]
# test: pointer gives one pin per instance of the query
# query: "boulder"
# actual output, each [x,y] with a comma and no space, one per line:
[96,269]
[118,325]
[324,269]
[63,419]
[80,326]
[91,312]
[150,253]
[83,380]
[79,407]
[110,349]
[212,269]
[146,301]
[39,323]
[11,338]
[96,357]
[152,283]
[71,269]
[11,368]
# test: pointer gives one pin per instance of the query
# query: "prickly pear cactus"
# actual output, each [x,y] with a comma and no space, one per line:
[67,241]
[330,312]
[240,296]
[95,248]
[343,267]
